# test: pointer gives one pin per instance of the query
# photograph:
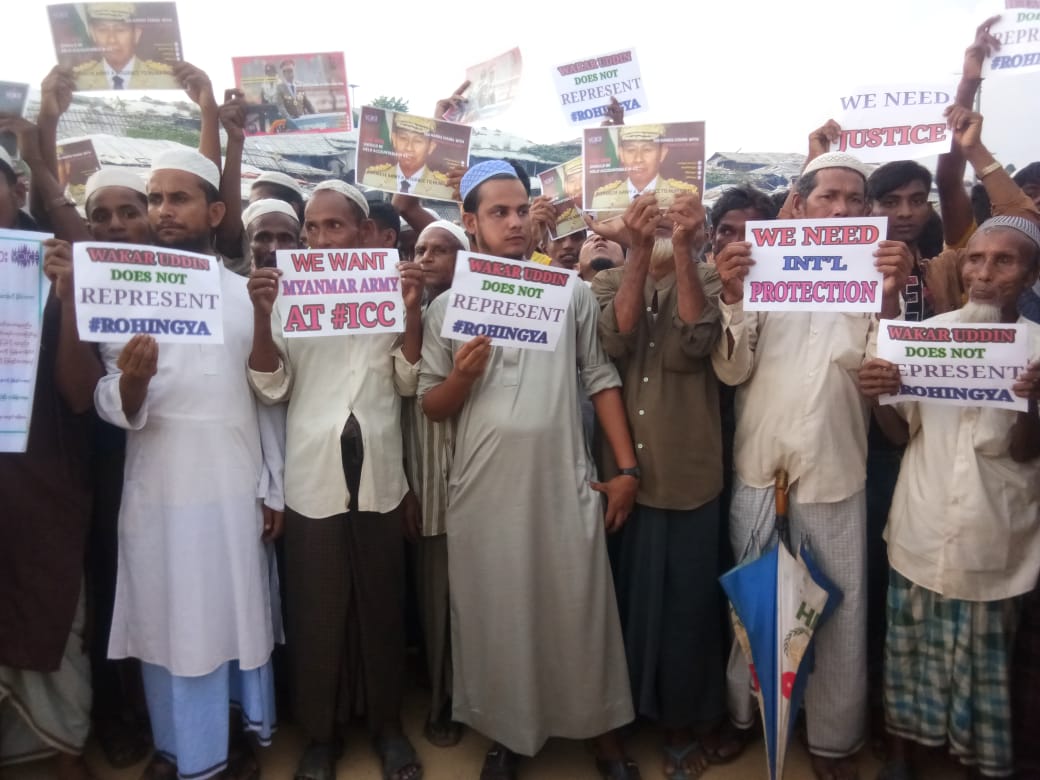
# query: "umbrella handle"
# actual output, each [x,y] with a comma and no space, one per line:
[780,484]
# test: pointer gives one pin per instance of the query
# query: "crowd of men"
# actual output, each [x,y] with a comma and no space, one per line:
[566,514]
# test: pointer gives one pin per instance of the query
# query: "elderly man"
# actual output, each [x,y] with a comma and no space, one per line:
[641,152]
[114,29]
[659,321]
[429,448]
[536,643]
[799,409]
[344,490]
[964,532]
[411,138]
[203,631]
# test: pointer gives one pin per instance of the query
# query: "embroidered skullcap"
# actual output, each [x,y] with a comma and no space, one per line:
[481,172]
[352,194]
[115,177]
[451,227]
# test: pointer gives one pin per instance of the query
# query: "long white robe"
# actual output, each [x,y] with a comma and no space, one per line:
[536,641]
[194,587]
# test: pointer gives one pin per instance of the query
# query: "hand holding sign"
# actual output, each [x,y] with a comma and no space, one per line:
[1028,383]
[57,266]
[642,218]
[733,264]
[196,84]
[895,262]
[822,137]
[688,221]
[139,360]
[452,108]
[879,377]
[472,358]
[56,93]
[411,285]
[263,289]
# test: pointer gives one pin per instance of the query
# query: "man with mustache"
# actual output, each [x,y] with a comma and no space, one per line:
[964,530]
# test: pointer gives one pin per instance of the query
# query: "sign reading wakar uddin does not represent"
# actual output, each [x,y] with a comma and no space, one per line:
[126,289]
[514,302]
[339,292]
[814,265]
[956,363]
[1018,31]
[585,87]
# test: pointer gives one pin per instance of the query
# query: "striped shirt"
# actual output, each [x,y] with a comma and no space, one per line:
[429,448]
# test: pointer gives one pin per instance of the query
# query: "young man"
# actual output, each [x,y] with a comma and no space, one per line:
[429,448]
[536,642]
[964,533]
[344,492]
[799,409]
[194,592]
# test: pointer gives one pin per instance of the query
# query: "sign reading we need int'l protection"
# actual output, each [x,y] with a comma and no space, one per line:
[815,265]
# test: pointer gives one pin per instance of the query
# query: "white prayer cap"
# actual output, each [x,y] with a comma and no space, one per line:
[267,206]
[189,161]
[1026,227]
[404,223]
[279,178]
[451,227]
[115,177]
[837,160]
[350,193]
[6,161]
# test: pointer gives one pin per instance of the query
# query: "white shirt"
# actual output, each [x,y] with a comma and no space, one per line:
[325,379]
[634,193]
[125,74]
[413,180]
[798,405]
[965,517]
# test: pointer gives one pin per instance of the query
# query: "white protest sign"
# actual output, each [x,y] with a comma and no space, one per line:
[126,289]
[1018,31]
[517,303]
[326,292]
[585,87]
[895,122]
[956,363]
[814,265]
[23,296]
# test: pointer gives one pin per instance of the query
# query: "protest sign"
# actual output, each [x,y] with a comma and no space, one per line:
[1018,31]
[585,87]
[622,162]
[76,161]
[562,185]
[23,296]
[294,93]
[493,88]
[339,292]
[126,289]
[814,265]
[900,122]
[117,45]
[956,363]
[411,154]
[515,302]
[12,101]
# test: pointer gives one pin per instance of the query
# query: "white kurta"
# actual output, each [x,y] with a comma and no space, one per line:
[536,641]
[194,586]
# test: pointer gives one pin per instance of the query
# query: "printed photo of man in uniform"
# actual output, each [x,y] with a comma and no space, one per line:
[413,146]
[115,33]
[641,150]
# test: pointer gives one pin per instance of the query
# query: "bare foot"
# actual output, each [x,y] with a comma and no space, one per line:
[834,768]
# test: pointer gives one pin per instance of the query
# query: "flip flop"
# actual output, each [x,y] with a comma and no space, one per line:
[678,756]
[618,769]
[399,759]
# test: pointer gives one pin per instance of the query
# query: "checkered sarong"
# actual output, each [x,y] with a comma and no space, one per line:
[947,671]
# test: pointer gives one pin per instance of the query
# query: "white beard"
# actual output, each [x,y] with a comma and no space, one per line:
[662,252]
[973,311]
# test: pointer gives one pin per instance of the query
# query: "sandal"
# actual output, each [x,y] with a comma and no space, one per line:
[499,764]
[679,755]
[443,733]
[618,769]
[318,762]
[398,756]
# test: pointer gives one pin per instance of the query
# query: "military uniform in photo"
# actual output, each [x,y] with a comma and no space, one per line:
[424,183]
[138,73]
[616,195]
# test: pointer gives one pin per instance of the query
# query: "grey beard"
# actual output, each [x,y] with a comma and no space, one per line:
[662,252]
[973,311]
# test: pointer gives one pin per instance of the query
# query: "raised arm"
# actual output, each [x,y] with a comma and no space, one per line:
[230,232]
[200,89]
[55,99]
[820,141]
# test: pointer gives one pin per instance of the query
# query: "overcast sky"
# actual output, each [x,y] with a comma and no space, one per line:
[761,73]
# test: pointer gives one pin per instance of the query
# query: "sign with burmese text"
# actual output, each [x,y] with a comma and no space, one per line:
[585,87]
[956,363]
[126,289]
[814,265]
[1018,31]
[901,122]
[516,303]
[339,292]
[23,295]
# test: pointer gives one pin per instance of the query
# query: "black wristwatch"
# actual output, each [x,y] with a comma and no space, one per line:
[631,472]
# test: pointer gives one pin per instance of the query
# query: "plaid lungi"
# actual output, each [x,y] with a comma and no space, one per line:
[947,665]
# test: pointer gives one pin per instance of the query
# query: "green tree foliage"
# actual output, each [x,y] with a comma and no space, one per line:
[391,103]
